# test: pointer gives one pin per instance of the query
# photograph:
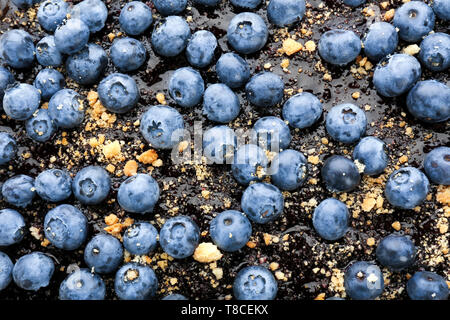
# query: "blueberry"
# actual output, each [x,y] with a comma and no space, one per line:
[255,283]
[381,40]
[363,281]
[232,70]
[200,48]
[437,165]
[65,227]
[6,78]
[21,100]
[23,4]
[354,3]
[92,12]
[174,296]
[6,267]
[429,101]
[118,92]
[40,126]
[48,82]
[396,252]
[161,125]
[19,190]
[265,89]
[290,170]
[269,129]
[138,193]
[82,284]
[135,282]
[71,36]
[414,20]
[53,185]
[249,164]
[396,74]
[425,285]
[442,9]
[340,174]
[88,65]
[407,188]
[247,33]
[140,238]
[8,148]
[135,17]
[371,152]
[66,109]
[346,123]
[127,54]
[220,103]
[91,185]
[170,7]
[17,49]
[339,47]
[230,230]
[330,219]
[103,253]
[179,237]
[285,12]
[262,202]
[33,271]
[207,3]
[435,51]
[52,13]
[219,144]
[47,54]
[12,227]
[302,110]
[170,36]
[246,4]
[186,87]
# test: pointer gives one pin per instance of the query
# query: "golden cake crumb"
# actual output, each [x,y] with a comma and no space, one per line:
[274,266]
[131,275]
[114,229]
[112,149]
[284,63]
[356,95]
[205,194]
[111,219]
[218,273]
[310,46]
[161,98]
[130,168]
[36,233]
[411,50]
[267,238]
[291,46]
[110,168]
[368,203]
[327,77]
[147,157]
[403,159]
[320,296]
[251,244]
[396,225]
[111,36]
[207,252]
[389,15]
[443,195]
[313,159]
[370,242]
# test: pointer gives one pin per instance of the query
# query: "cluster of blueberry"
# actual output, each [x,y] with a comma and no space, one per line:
[65,226]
